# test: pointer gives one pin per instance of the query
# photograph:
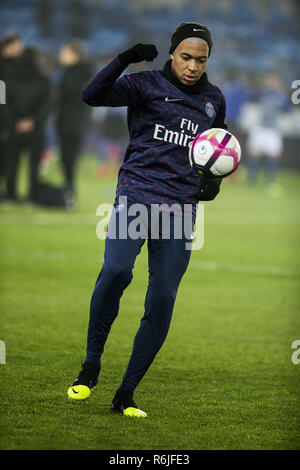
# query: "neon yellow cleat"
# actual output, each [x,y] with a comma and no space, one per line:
[123,403]
[87,379]
[134,413]
[79,392]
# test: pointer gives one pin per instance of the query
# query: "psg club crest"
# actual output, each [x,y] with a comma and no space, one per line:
[209,109]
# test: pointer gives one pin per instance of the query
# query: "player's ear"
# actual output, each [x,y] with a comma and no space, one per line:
[172,56]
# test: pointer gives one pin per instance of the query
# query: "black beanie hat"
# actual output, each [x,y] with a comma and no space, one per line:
[190,30]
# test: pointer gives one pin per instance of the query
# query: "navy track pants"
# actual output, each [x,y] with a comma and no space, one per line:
[167,261]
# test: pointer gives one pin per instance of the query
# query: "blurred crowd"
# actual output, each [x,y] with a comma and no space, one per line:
[43,108]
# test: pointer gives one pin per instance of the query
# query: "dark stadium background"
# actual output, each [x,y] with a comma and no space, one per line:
[252,38]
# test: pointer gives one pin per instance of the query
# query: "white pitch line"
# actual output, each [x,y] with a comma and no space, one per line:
[224,218]
[198,265]
[245,269]
[44,219]
[40,254]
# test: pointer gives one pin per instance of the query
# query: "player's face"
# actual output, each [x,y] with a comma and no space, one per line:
[189,61]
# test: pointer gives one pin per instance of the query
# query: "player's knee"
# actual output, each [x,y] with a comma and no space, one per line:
[118,272]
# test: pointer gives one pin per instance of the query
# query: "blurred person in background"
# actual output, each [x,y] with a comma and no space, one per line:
[29,98]
[72,116]
[11,47]
[264,143]
[236,95]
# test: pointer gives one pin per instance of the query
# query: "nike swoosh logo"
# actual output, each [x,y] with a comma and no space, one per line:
[74,390]
[198,29]
[172,99]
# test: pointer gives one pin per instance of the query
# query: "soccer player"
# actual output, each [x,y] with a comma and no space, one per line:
[166,110]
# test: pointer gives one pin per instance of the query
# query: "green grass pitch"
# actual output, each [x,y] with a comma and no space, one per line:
[224,378]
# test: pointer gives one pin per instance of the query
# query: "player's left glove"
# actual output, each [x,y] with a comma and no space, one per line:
[138,53]
[209,189]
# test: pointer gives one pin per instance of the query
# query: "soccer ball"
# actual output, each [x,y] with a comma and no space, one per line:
[215,153]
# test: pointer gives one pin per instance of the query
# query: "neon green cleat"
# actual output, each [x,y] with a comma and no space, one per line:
[79,392]
[87,379]
[123,403]
[134,413]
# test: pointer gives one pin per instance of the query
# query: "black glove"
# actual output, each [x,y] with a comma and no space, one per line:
[138,53]
[209,189]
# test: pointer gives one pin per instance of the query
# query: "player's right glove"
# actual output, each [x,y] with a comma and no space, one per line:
[209,189]
[138,53]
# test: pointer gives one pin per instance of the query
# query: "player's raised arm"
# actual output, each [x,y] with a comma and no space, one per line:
[107,89]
